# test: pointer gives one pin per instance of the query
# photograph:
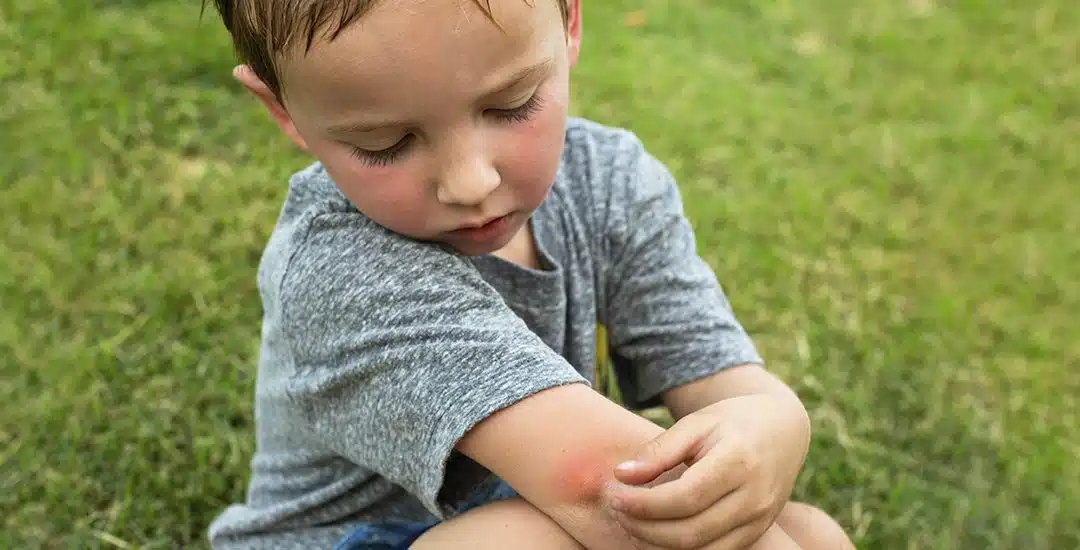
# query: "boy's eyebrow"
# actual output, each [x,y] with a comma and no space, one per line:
[523,74]
[519,76]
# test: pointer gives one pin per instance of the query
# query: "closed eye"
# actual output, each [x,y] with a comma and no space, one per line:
[382,157]
[389,155]
[521,113]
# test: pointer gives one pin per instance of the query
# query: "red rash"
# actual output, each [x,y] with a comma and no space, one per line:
[581,474]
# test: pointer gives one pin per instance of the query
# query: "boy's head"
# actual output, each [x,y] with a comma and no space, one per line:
[430,115]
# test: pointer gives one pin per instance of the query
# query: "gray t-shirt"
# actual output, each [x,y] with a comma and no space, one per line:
[379,352]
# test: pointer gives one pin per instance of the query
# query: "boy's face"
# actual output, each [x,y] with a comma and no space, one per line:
[431,119]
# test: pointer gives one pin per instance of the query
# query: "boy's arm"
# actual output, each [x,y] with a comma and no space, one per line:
[558,449]
[732,382]
[669,321]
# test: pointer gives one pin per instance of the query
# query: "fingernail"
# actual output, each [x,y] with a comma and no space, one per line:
[628,465]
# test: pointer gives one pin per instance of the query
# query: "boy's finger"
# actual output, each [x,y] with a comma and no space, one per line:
[701,485]
[719,523]
[676,445]
[662,453]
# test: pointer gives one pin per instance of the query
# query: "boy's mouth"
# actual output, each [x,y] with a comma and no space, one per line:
[485,230]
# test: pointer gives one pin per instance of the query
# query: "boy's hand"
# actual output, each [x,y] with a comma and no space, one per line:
[742,456]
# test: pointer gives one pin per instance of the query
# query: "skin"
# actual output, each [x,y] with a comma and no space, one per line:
[582,474]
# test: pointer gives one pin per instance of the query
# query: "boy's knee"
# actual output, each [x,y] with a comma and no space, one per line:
[511,523]
[813,529]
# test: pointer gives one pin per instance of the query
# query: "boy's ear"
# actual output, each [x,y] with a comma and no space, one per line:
[258,88]
[573,29]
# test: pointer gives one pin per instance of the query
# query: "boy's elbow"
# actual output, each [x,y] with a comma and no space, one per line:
[558,449]
[581,475]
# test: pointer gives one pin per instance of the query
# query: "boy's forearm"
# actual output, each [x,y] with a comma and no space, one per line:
[558,450]
[729,383]
[593,525]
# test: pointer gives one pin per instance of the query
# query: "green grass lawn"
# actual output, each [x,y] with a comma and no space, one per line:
[888,190]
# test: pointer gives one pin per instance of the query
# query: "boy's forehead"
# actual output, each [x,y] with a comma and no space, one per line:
[423,43]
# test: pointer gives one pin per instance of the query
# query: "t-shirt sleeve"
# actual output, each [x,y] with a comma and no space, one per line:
[668,319]
[399,348]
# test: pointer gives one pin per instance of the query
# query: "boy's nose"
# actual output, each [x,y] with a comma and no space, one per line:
[468,183]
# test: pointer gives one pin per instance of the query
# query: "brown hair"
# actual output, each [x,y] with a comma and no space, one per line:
[261,30]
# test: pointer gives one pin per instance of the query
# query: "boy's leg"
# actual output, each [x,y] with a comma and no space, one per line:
[511,523]
[803,527]
[775,539]
[514,523]
[812,529]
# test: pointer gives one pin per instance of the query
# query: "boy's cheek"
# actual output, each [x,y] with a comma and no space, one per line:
[530,159]
[391,196]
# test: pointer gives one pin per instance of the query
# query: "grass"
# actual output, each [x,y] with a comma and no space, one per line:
[888,191]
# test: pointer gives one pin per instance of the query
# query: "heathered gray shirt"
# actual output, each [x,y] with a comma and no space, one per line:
[378,352]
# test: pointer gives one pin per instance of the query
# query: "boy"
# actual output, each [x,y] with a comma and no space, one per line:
[431,293]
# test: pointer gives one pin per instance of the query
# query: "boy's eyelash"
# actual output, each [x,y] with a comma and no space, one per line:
[521,113]
[382,157]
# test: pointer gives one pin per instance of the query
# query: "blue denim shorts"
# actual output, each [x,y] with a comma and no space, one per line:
[398,535]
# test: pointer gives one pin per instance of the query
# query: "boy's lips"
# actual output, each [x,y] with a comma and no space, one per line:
[481,224]
[484,230]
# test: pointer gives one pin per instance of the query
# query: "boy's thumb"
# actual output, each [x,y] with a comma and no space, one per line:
[675,446]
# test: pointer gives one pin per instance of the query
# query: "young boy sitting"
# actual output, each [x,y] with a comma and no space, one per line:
[432,291]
